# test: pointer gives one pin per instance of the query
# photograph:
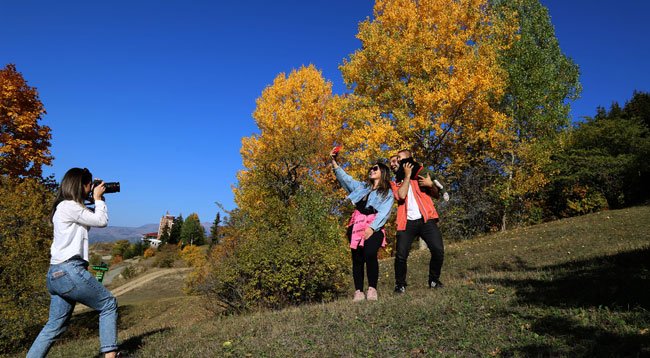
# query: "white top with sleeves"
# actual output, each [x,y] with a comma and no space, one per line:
[71,223]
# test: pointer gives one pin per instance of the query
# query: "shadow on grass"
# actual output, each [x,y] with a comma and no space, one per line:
[580,341]
[133,344]
[86,324]
[620,283]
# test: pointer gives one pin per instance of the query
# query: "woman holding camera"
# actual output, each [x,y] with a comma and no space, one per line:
[373,200]
[68,279]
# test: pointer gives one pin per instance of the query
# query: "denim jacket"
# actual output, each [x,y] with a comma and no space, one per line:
[358,190]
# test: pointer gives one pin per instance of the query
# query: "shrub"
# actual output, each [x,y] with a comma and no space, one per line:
[166,256]
[193,256]
[95,259]
[25,238]
[116,259]
[297,257]
[149,252]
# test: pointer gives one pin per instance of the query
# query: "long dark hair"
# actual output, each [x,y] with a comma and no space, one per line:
[383,187]
[72,187]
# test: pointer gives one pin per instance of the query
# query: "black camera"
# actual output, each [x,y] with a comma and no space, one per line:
[399,176]
[111,187]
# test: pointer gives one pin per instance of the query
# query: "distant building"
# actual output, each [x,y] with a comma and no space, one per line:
[152,239]
[166,220]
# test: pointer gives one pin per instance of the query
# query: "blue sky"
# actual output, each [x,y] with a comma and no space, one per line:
[158,94]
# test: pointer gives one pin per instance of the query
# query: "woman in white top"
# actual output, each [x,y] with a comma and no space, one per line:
[68,279]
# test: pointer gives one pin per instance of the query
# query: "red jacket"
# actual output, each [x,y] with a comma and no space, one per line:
[425,204]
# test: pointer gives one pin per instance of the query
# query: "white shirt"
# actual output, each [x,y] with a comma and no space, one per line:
[71,223]
[412,208]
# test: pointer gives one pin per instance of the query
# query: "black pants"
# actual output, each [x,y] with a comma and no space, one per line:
[367,254]
[430,233]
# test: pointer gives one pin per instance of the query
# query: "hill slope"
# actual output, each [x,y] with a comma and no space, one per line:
[114,233]
[575,287]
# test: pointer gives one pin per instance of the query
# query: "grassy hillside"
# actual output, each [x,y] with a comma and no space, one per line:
[576,287]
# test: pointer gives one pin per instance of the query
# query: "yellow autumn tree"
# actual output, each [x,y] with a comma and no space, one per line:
[283,246]
[425,78]
[295,134]
[24,143]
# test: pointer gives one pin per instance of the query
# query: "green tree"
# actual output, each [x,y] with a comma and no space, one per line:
[165,234]
[214,230]
[602,165]
[192,232]
[175,232]
[638,108]
[541,83]
[120,247]
[25,239]
[24,143]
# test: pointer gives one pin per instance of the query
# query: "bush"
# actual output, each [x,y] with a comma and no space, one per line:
[116,259]
[166,256]
[149,252]
[129,272]
[95,259]
[25,239]
[193,256]
[298,255]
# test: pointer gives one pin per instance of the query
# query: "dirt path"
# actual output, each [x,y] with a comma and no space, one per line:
[138,282]
[132,285]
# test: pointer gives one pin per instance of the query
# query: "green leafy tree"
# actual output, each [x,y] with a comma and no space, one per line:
[602,165]
[25,239]
[192,232]
[120,248]
[541,83]
[175,232]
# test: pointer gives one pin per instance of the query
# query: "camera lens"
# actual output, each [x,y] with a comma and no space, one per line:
[113,187]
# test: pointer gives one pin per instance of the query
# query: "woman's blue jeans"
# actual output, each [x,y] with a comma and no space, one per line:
[69,283]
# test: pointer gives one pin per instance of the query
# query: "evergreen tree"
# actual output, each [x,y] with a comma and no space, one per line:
[175,232]
[214,230]
[165,235]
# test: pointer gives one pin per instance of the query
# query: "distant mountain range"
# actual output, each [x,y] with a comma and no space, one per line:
[114,233]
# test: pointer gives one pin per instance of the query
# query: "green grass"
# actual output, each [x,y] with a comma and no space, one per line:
[576,287]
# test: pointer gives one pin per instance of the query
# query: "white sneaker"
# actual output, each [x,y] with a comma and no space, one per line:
[358,296]
[372,294]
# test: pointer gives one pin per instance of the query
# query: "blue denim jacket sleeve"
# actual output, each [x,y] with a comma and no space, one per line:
[346,180]
[383,205]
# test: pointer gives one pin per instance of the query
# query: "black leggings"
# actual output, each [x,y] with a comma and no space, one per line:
[367,254]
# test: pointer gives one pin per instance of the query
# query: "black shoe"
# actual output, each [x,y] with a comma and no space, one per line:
[400,289]
[436,284]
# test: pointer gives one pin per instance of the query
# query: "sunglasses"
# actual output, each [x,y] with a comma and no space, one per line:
[374,169]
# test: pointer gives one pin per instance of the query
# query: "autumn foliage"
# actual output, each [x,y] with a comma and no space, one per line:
[283,245]
[24,143]
[425,78]
[25,239]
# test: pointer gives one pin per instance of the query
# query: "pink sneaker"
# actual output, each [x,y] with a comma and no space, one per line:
[358,296]
[372,294]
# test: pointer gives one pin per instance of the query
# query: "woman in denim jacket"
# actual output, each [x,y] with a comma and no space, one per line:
[68,279]
[373,201]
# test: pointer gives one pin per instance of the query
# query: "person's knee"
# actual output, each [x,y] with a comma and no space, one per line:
[110,305]
[55,329]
